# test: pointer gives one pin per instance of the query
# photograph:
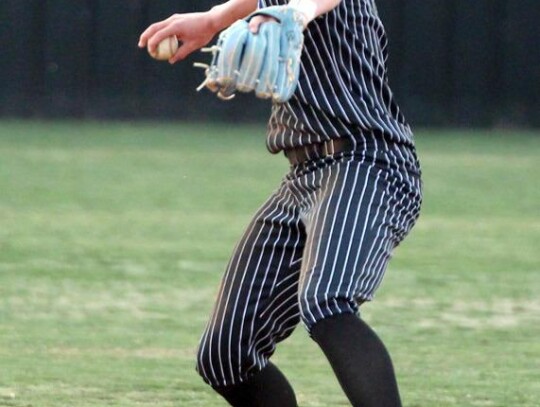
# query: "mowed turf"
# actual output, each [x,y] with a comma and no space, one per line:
[113,238]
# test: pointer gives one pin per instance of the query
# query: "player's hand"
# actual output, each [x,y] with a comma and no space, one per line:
[256,22]
[193,30]
[260,53]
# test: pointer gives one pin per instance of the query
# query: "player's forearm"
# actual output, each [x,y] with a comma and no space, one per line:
[223,15]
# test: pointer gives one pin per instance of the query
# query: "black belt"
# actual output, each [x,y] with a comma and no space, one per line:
[298,155]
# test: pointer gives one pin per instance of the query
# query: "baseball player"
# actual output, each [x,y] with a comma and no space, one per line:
[319,246]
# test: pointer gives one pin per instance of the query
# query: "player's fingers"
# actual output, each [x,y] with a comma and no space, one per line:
[184,49]
[154,28]
[165,32]
[149,32]
[256,21]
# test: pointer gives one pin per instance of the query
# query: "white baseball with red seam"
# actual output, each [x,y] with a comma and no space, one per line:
[165,49]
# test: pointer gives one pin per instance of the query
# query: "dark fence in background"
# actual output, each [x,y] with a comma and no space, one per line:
[452,62]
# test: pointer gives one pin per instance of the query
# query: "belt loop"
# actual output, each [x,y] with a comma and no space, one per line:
[331,147]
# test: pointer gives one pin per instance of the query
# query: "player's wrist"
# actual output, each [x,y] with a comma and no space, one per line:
[225,14]
[306,8]
[215,19]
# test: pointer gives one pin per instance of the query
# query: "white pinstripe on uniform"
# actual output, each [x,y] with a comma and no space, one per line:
[322,241]
[319,245]
[343,89]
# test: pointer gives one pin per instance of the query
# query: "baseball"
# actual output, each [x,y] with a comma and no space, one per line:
[165,49]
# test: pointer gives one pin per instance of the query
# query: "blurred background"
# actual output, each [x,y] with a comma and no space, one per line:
[122,194]
[452,63]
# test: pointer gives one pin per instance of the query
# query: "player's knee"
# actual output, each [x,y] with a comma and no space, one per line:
[318,306]
[211,358]
[205,363]
[220,363]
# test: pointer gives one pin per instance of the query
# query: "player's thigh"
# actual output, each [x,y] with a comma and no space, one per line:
[256,304]
[362,213]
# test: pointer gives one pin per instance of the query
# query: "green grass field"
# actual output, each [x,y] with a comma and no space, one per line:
[113,238]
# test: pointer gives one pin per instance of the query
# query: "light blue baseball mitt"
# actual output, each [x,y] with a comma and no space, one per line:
[267,63]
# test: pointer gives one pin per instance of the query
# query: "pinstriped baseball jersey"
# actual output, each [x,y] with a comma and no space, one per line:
[320,244]
[343,88]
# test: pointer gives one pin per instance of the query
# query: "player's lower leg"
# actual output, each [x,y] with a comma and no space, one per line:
[359,359]
[268,388]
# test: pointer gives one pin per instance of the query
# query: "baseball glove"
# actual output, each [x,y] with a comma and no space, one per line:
[267,63]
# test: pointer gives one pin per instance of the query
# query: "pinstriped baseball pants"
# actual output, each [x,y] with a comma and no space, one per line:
[318,247]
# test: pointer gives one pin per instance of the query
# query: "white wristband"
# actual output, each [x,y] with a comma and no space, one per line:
[308,8]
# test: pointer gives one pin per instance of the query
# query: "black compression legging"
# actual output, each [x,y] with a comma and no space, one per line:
[357,356]
[360,361]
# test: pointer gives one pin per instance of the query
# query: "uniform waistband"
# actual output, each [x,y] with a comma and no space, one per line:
[301,154]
